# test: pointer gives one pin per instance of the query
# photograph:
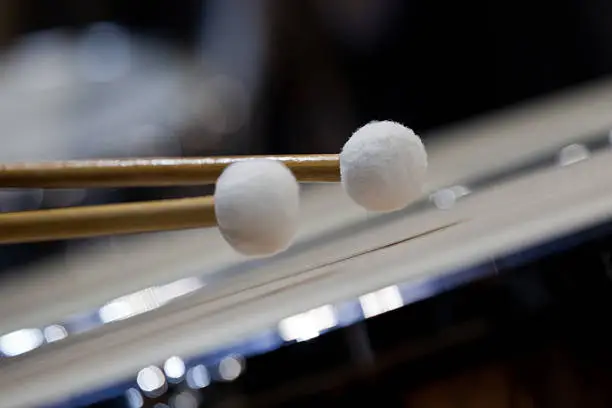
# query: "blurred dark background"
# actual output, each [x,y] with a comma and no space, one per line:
[327,66]
[197,77]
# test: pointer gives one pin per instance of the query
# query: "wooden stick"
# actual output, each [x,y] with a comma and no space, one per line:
[153,172]
[111,219]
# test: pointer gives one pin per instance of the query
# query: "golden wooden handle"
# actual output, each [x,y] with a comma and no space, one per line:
[111,219]
[155,172]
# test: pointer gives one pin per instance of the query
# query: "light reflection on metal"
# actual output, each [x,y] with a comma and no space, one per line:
[197,377]
[381,301]
[573,154]
[21,341]
[151,381]
[308,325]
[184,400]
[134,398]
[446,198]
[147,299]
[174,367]
[231,367]
[54,333]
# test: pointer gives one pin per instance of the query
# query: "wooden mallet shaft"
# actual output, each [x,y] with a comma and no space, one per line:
[154,172]
[110,219]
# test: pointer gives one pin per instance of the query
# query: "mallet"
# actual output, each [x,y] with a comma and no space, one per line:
[256,203]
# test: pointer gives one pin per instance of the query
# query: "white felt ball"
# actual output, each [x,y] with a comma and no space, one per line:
[383,166]
[257,206]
